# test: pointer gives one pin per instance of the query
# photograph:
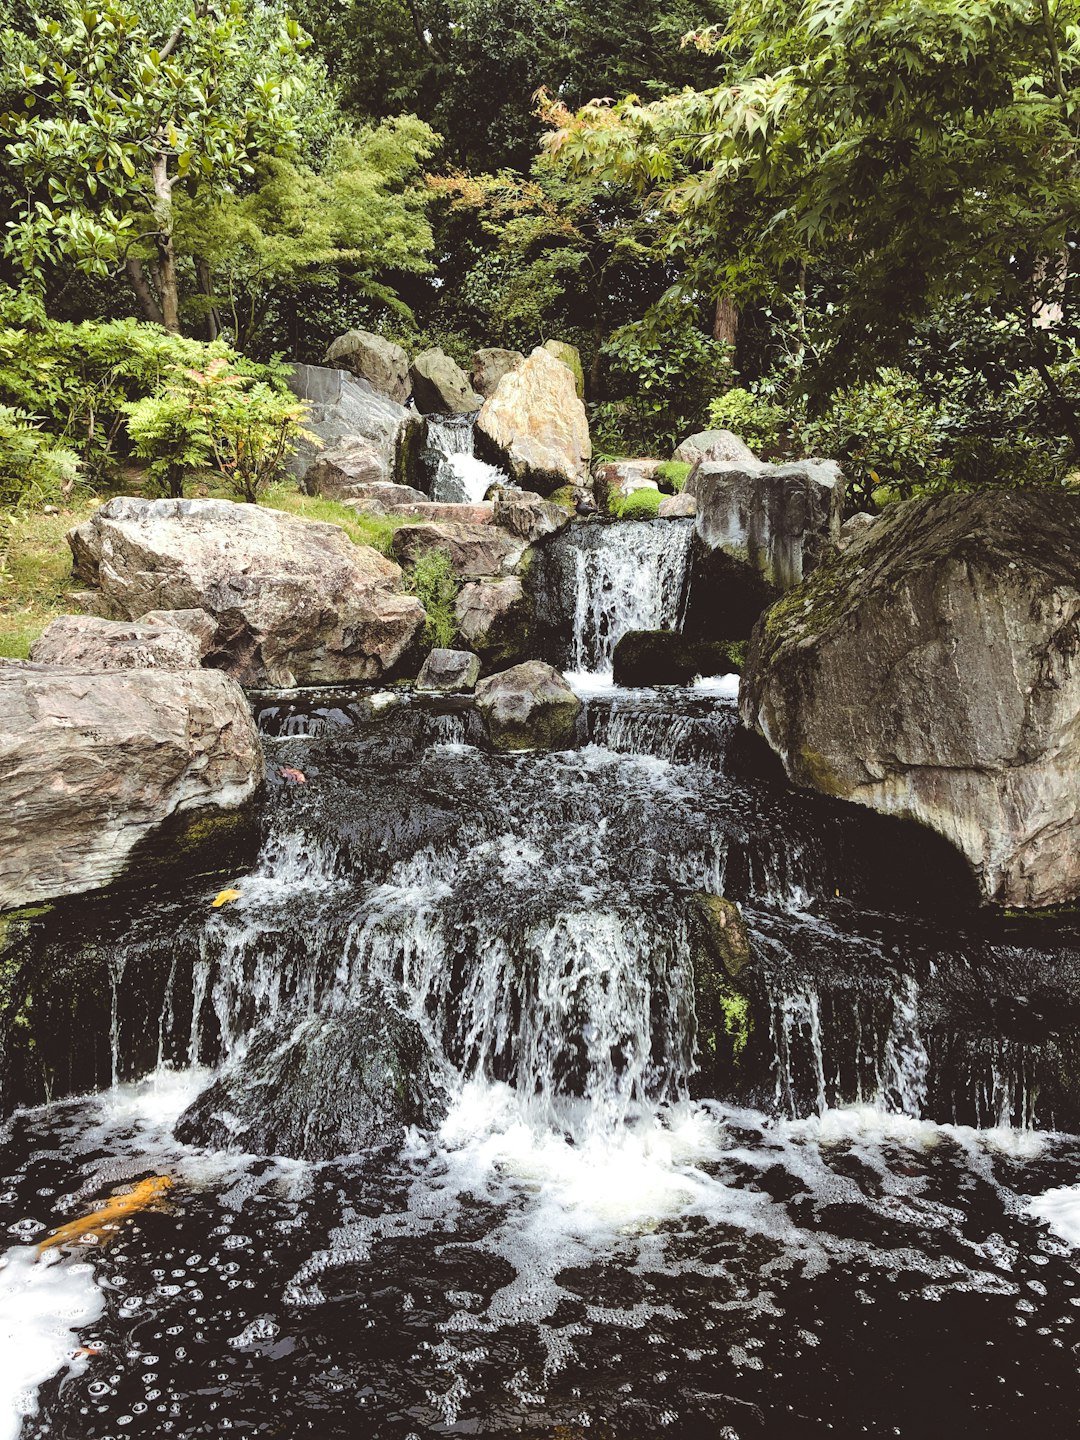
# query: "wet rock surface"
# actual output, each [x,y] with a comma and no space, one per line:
[931,672]
[449,670]
[528,707]
[493,618]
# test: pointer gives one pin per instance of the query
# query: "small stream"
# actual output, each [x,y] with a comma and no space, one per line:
[848,1209]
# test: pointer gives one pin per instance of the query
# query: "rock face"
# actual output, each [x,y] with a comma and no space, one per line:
[85,642]
[92,764]
[720,446]
[441,387]
[529,707]
[295,601]
[931,672]
[527,515]
[474,550]
[344,410]
[570,356]
[535,426]
[453,670]
[330,1085]
[384,365]
[489,365]
[493,619]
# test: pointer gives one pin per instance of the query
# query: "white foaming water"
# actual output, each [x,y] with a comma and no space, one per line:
[1060,1209]
[461,477]
[724,687]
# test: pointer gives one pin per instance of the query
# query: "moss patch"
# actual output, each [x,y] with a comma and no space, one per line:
[672,476]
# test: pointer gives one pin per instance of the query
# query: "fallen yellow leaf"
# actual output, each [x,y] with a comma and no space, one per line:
[109,1216]
[224,896]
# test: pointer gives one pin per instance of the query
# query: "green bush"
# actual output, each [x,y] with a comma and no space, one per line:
[433,582]
[640,505]
[758,422]
[34,469]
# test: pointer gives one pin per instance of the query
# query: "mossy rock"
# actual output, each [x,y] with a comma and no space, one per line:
[672,476]
[570,356]
[721,952]
[641,504]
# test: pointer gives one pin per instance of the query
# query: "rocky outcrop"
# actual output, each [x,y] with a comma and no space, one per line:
[662,657]
[570,356]
[931,672]
[482,513]
[473,550]
[528,516]
[456,671]
[535,426]
[493,619]
[489,365]
[384,365]
[91,765]
[321,1086]
[343,411]
[87,643]
[441,387]
[718,446]
[295,601]
[529,707]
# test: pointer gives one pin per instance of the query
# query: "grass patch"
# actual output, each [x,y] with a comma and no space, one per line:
[374,530]
[35,574]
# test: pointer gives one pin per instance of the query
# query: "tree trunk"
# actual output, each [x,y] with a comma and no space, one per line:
[726,321]
[168,283]
[141,286]
[202,273]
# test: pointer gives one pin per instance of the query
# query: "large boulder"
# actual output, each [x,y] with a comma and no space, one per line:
[930,671]
[86,642]
[473,550]
[92,764]
[343,409]
[535,426]
[320,1086]
[384,365]
[295,601]
[570,356]
[529,707]
[489,365]
[760,529]
[493,618]
[717,446]
[441,387]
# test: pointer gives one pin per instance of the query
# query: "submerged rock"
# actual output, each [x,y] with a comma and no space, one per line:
[92,764]
[295,601]
[441,387]
[490,364]
[384,365]
[529,707]
[535,426]
[720,946]
[342,411]
[321,1087]
[930,672]
[86,642]
[452,670]
[663,657]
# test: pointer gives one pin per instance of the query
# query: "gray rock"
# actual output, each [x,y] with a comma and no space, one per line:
[493,619]
[854,528]
[720,446]
[384,365]
[382,497]
[197,623]
[343,408]
[453,670]
[674,507]
[473,550]
[441,387]
[529,707]
[87,643]
[319,1086]
[482,513]
[489,365]
[295,601]
[535,426]
[91,765]
[931,672]
[527,515]
[348,471]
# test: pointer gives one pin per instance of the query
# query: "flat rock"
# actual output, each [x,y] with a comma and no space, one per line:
[482,513]
[85,642]
[931,672]
[295,601]
[720,446]
[370,357]
[449,670]
[93,764]
[197,623]
[529,707]
[474,550]
[527,515]
[535,426]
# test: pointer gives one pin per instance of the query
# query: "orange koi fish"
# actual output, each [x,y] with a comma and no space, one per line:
[110,1215]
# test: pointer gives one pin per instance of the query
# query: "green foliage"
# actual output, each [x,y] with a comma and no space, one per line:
[759,422]
[216,417]
[33,468]
[433,581]
[672,476]
[639,505]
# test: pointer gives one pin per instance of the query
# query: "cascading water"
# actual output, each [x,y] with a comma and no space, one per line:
[459,476]
[649,1194]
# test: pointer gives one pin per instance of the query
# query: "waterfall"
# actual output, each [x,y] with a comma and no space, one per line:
[459,476]
[619,576]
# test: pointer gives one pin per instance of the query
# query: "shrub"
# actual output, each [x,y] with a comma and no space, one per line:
[433,581]
[640,505]
[755,420]
[33,468]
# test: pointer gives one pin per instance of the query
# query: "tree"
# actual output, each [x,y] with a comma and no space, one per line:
[919,151]
[114,118]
